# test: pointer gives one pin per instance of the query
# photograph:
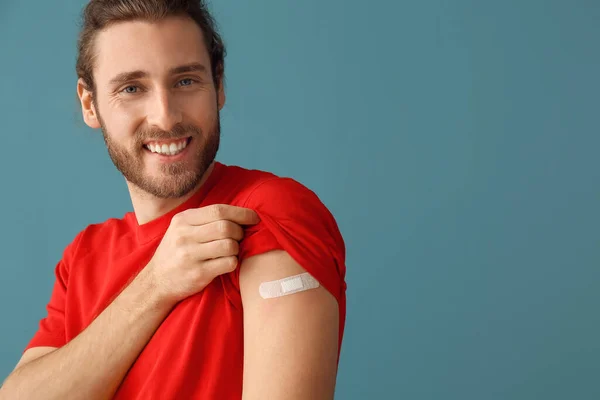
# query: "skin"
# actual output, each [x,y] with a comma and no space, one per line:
[161,105]
[283,359]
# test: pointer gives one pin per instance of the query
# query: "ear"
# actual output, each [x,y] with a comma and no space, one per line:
[90,116]
[221,95]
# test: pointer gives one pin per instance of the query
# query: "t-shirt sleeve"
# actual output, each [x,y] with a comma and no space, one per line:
[294,219]
[51,328]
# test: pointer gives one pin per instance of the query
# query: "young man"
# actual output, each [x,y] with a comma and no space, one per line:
[179,299]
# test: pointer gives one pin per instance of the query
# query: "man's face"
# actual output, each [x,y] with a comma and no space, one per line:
[157,104]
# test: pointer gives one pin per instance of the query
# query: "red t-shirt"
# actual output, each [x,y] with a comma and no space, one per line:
[197,352]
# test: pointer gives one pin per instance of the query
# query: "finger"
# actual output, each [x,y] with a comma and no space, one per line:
[216,212]
[216,249]
[219,266]
[216,230]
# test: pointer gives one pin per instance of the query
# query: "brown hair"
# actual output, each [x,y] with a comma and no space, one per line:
[99,14]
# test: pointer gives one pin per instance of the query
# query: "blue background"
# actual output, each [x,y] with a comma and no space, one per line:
[456,143]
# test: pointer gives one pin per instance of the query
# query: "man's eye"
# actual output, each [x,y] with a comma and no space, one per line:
[186,82]
[130,89]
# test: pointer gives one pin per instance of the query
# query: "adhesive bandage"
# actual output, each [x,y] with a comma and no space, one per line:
[289,285]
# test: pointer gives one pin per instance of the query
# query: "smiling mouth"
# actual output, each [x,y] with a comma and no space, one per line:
[167,147]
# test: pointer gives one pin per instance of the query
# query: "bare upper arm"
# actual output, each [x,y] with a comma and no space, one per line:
[33,354]
[290,342]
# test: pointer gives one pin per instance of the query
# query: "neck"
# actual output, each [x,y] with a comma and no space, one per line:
[148,207]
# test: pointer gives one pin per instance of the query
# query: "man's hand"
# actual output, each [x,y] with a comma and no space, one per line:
[199,245]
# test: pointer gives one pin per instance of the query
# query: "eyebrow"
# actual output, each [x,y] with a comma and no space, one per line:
[124,77]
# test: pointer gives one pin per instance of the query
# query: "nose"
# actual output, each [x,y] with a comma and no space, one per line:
[163,112]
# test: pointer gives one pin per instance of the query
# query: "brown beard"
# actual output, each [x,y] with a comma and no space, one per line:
[178,178]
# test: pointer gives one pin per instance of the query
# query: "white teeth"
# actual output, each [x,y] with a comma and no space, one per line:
[167,149]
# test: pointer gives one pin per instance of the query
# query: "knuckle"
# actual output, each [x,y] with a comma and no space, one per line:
[231,263]
[234,263]
[179,240]
[231,246]
[178,218]
[238,232]
[182,253]
[218,211]
[223,227]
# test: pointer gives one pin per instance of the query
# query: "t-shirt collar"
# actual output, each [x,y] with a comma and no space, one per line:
[158,226]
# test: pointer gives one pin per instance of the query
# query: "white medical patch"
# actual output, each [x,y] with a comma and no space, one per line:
[289,285]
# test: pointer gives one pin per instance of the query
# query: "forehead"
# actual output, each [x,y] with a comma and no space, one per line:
[155,47]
